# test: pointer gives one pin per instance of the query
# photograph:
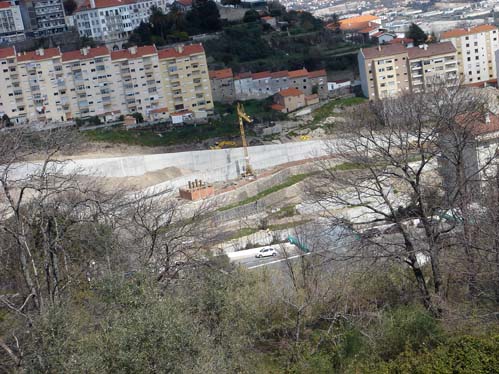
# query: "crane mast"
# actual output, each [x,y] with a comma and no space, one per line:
[242,118]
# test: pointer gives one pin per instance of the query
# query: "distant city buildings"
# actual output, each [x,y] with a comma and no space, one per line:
[245,86]
[476,48]
[43,18]
[11,23]
[112,21]
[391,70]
[47,85]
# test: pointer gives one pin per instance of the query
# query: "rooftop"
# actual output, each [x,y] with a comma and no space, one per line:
[468,31]
[431,50]
[7,52]
[133,52]
[383,51]
[39,54]
[290,92]
[85,53]
[221,74]
[181,51]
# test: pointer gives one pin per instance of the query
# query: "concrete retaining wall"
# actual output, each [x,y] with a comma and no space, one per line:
[215,165]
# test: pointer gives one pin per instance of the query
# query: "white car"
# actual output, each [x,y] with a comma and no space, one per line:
[266,252]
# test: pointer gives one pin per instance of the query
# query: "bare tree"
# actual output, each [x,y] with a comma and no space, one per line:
[399,153]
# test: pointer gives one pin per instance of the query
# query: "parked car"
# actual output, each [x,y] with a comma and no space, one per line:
[266,252]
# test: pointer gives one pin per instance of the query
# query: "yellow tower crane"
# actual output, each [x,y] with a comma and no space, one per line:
[244,117]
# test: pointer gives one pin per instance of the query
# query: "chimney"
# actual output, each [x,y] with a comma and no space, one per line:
[425,47]
[379,47]
[133,50]
[487,117]
[84,51]
[92,4]
[180,48]
[40,52]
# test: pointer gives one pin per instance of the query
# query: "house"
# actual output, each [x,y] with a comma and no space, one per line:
[271,21]
[480,138]
[289,100]
[183,5]
[222,85]
[355,24]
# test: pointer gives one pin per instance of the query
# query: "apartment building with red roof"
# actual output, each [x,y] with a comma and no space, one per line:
[476,49]
[49,86]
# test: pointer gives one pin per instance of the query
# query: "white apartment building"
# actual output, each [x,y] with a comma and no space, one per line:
[476,48]
[141,87]
[47,85]
[88,85]
[112,21]
[186,79]
[11,23]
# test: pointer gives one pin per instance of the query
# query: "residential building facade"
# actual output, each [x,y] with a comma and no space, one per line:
[222,85]
[47,85]
[43,17]
[247,86]
[391,70]
[476,49]
[112,21]
[11,23]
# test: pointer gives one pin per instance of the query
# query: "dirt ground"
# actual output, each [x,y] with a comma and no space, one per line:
[136,183]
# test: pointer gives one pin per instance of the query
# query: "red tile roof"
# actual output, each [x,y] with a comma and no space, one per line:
[183,51]
[298,73]
[357,23]
[367,30]
[4,4]
[127,54]
[7,52]
[261,75]
[221,74]
[431,50]
[184,2]
[38,55]
[461,32]
[81,55]
[401,41]
[244,75]
[278,107]
[383,51]
[290,92]
[317,73]
[279,74]
[99,4]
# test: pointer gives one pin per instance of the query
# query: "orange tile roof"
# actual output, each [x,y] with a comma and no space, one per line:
[90,53]
[35,56]
[221,74]
[298,73]
[127,54]
[186,50]
[317,73]
[461,32]
[261,75]
[279,74]
[4,4]
[358,23]
[367,30]
[244,75]
[7,52]
[290,92]
[278,107]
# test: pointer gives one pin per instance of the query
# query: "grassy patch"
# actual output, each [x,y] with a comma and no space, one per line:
[163,136]
[345,166]
[288,183]
[327,110]
[288,225]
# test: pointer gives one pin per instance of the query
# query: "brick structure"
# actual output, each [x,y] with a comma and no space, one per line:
[197,190]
